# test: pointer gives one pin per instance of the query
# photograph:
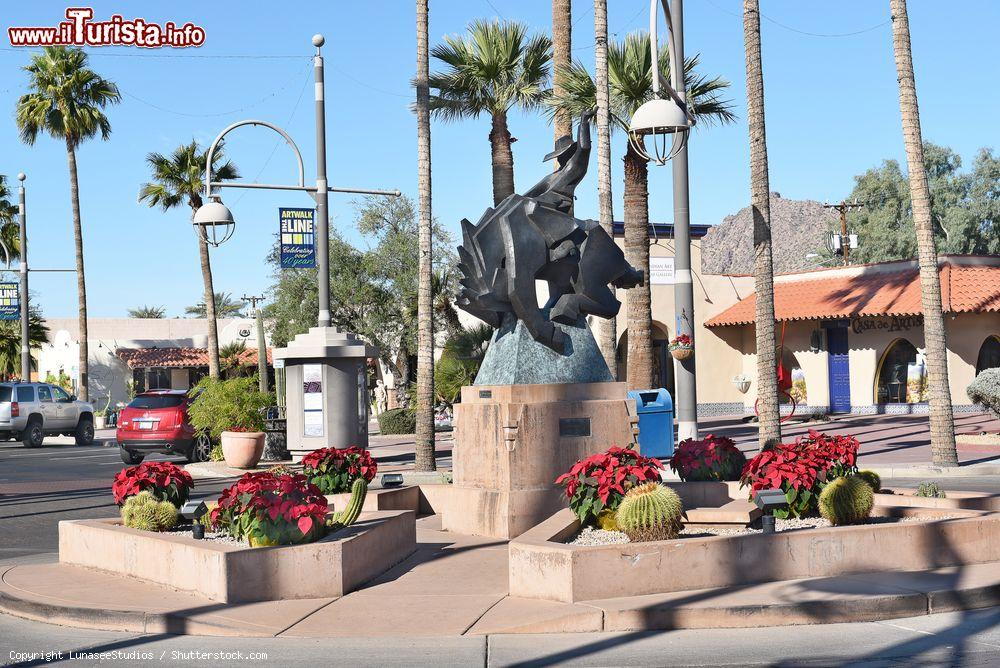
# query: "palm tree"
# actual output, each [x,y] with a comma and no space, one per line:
[496,68]
[607,335]
[225,307]
[942,420]
[231,358]
[10,342]
[424,453]
[9,229]
[179,180]
[147,312]
[631,84]
[763,268]
[66,100]
[562,47]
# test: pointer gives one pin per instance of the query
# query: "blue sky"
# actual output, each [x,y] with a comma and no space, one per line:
[831,105]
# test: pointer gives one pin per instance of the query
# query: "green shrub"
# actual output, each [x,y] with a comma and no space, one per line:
[228,405]
[217,455]
[650,512]
[985,390]
[451,374]
[397,421]
[143,511]
[846,500]
[930,489]
[873,479]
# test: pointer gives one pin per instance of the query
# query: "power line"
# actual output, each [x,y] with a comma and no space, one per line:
[803,32]
[488,2]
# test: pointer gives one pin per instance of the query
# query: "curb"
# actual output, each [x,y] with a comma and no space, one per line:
[929,471]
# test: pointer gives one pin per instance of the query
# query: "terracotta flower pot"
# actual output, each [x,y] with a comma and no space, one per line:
[98,422]
[242,449]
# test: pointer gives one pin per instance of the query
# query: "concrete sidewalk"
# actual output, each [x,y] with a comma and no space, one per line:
[456,585]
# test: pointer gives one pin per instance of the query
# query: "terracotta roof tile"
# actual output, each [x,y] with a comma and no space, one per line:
[138,358]
[964,289]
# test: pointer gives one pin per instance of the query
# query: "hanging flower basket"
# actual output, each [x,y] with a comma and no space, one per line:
[681,347]
[742,383]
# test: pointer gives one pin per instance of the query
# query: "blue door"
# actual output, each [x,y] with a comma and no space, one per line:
[840,370]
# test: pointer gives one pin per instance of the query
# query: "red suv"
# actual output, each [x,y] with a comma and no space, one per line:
[157,421]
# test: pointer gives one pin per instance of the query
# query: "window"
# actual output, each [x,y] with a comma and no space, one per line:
[900,379]
[158,379]
[154,401]
[989,354]
[43,393]
[25,394]
[5,391]
[59,394]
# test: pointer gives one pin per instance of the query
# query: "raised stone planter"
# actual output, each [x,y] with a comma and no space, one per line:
[230,572]
[542,566]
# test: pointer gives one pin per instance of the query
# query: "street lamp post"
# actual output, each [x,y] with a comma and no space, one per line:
[327,368]
[667,120]
[23,240]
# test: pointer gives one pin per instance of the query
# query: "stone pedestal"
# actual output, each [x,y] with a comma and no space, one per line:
[513,441]
[326,390]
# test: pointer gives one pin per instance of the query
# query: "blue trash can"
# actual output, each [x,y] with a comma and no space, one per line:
[656,422]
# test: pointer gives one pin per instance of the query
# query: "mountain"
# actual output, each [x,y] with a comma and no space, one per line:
[798,228]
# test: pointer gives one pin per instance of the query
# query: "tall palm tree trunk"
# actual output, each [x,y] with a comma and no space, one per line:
[562,30]
[942,420]
[607,335]
[425,298]
[213,329]
[640,341]
[503,158]
[763,267]
[81,281]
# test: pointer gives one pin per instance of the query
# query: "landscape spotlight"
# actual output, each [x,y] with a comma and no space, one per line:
[392,479]
[193,511]
[769,500]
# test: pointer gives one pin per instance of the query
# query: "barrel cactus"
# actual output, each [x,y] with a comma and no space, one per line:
[349,515]
[145,512]
[846,500]
[650,512]
[873,479]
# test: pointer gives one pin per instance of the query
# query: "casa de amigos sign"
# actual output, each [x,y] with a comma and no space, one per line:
[886,323]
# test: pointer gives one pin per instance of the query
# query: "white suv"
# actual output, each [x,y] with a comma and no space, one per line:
[31,411]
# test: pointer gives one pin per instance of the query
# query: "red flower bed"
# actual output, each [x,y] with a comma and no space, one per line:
[712,458]
[801,469]
[166,481]
[334,471]
[600,481]
[271,509]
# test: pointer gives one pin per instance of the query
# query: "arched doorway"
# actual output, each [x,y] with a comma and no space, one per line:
[663,362]
[989,354]
[792,367]
[901,376]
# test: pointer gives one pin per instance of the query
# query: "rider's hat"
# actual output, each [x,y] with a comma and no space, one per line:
[564,145]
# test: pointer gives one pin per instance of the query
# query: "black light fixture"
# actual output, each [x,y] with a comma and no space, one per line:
[193,511]
[769,500]
[392,479]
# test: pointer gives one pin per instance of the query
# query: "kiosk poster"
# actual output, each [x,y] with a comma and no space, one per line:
[298,239]
[10,305]
[312,400]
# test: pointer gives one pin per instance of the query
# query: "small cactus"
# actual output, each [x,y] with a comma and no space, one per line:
[846,500]
[145,512]
[931,490]
[650,512]
[873,479]
[349,515]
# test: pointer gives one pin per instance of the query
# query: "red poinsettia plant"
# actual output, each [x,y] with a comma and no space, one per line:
[681,341]
[164,480]
[600,481]
[711,458]
[801,469]
[334,471]
[271,508]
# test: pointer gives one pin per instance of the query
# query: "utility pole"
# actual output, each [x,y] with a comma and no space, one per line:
[261,343]
[845,243]
[23,240]
[684,380]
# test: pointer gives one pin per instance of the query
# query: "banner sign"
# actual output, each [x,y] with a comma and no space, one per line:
[10,304]
[661,271]
[298,240]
